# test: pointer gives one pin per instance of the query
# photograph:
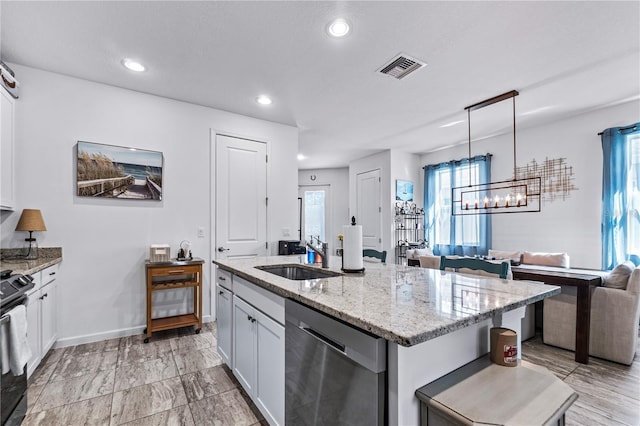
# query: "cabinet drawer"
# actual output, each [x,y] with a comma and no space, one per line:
[168,271]
[224,279]
[49,274]
[264,300]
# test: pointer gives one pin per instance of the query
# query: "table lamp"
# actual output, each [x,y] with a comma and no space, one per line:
[31,220]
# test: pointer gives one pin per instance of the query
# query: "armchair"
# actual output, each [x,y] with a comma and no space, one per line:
[614,321]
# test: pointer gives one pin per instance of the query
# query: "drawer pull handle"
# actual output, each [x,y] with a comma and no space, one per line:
[222,278]
[221,292]
[177,271]
[52,273]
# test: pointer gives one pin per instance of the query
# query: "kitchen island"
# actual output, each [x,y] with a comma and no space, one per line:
[433,321]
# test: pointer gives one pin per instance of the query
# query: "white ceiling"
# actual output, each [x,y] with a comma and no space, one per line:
[563,57]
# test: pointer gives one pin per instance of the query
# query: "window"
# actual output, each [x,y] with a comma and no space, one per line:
[467,231]
[314,211]
[621,195]
[462,235]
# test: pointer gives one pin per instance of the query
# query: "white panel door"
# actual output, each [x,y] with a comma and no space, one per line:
[369,209]
[241,197]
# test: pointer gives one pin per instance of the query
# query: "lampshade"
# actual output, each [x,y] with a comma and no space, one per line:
[31,220]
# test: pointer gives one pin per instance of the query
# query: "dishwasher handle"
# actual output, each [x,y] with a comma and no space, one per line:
[337,346]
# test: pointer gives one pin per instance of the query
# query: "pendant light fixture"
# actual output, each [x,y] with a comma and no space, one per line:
[507,196]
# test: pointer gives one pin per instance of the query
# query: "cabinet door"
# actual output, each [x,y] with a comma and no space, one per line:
[7,196]
[49,321]
[224,309]
[269,386]
[33,331]
[244,343]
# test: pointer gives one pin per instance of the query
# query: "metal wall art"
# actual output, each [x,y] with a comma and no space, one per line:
[556,177]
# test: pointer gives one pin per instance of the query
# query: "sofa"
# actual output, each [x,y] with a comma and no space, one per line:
[560,260]
[615,312]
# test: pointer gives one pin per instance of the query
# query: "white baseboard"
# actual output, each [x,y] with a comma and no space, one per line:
[107,335]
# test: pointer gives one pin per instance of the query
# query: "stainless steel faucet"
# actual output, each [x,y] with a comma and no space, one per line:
[322,248]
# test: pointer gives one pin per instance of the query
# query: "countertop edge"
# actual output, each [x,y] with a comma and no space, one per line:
[37,268]
[372,328]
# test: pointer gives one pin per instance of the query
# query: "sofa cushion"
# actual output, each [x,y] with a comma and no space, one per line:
[546,259]
[619,277]
[501,254]
[416,253]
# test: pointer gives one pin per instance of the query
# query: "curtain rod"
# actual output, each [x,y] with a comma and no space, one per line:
[622,129]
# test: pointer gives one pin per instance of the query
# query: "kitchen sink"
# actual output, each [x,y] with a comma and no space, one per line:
[298,272]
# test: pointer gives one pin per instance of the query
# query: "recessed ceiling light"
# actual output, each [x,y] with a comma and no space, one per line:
[301,157]
[264,100]
[133,65]
[338,28]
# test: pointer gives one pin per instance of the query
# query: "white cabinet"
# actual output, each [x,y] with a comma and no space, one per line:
[258,359]
[224,315]
[269,375]
[42,325]
[224,312]
[7,146]
[33,328]
[251,341]
[244,342]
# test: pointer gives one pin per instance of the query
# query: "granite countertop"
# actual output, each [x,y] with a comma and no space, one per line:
[403,304]
[47,256]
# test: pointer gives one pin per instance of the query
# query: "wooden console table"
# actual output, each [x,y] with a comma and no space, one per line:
[173,275]
[583,280]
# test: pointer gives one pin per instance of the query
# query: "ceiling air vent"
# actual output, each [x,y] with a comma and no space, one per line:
[401,66]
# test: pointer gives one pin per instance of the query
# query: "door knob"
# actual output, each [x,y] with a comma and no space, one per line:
[222,249]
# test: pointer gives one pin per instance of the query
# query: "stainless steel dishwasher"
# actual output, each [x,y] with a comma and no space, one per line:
[335,374]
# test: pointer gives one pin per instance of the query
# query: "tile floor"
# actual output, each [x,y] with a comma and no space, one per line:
[609,393]
[178,379]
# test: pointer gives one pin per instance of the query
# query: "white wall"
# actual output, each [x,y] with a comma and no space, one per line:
[338,181]
[105,242]
[571,225]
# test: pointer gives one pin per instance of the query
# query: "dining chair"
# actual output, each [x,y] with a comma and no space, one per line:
[382,255]
[474,264]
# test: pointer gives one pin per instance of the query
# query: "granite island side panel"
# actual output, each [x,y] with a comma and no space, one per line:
[405,305]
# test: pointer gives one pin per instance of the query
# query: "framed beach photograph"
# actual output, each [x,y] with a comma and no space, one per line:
[110,171]
[404,190]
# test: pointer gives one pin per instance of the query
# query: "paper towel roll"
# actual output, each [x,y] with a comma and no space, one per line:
[352,248]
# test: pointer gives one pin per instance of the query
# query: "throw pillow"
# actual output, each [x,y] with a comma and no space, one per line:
[619,277]
[546,259]
[500,254]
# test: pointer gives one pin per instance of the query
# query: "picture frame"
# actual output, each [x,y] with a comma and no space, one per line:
[404,190]
[111,171]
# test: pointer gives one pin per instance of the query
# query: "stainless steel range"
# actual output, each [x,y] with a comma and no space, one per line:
[13,389]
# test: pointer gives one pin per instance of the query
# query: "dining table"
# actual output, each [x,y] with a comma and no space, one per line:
[583,280]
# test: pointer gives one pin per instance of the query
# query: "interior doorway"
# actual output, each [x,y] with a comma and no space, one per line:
[315,211]
[241,193]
